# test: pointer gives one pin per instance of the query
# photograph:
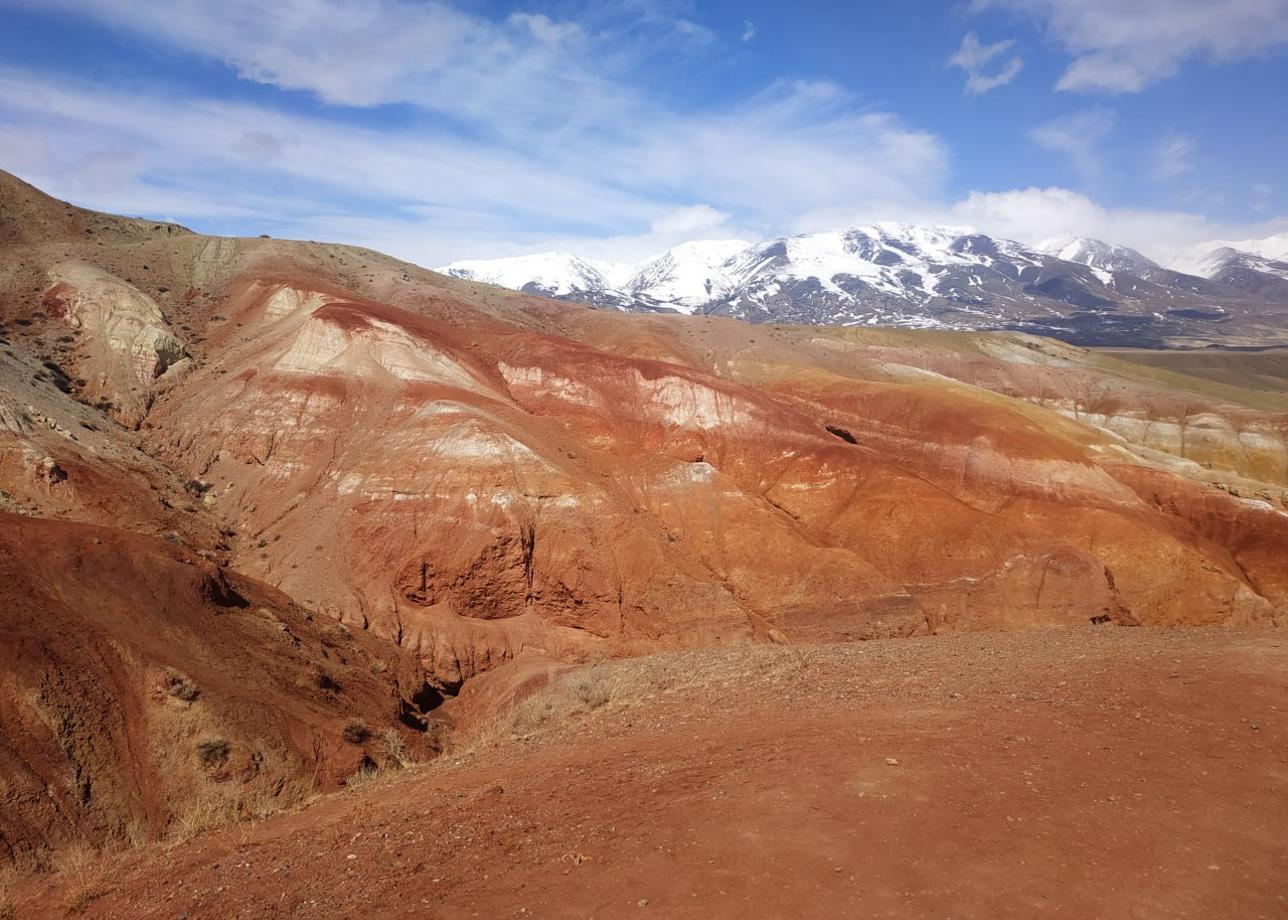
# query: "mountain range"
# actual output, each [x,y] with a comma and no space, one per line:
[1081,290]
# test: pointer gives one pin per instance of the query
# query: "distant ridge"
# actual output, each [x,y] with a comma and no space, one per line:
[1083,290]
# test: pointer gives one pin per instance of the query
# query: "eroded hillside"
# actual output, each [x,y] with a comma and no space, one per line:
[462,474]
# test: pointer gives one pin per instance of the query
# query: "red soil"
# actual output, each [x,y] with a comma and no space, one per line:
[1127,773]
[97,621]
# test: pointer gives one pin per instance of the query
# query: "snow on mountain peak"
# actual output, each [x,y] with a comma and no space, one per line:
[1096,254]
[687,276]
[1274,248]
[551,273]
[911,275]
[1211,258]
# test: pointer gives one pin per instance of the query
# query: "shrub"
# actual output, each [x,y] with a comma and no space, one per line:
[213,752]
[83,873]
[180,686]
[356,732]
[592,688]
[328,683]
[395,750]
[202,814]
[363,776]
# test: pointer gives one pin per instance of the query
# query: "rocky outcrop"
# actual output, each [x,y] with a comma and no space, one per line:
[123,338]
[472,491]
[147,693]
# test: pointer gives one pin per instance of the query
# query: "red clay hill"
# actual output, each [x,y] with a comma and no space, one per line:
[446,475]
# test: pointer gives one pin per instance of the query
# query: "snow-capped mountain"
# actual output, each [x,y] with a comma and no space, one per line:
[1248,272]
[909,275]
[1109,261]
[689,276]
[1097,254]
[1256,268]
[1273,248]
[552,274]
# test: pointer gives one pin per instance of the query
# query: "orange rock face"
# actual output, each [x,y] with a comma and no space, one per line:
[472,485]
[472,472]
[145,688]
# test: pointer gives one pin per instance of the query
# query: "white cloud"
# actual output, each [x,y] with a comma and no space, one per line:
[788,149]
[560,147]
[1032,215]
[363,53]
[698,218]
[975,58]
[748,30]
[1261,193]
[694,31]
[1174,155]
[1122,46]
[1078,136]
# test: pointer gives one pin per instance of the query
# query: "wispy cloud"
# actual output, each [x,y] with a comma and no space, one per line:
[1122,46]
[695,219]
[976,59]
[748,30]
[1078,136]
[1261,193]
[779,153]
[361,54]
[513,133]
[1173,155]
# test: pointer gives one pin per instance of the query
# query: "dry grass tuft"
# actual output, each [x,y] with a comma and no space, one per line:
[202,814]
[363,777]
[180,686]
[217,808]
[82,874]
[8,881]
[394,756]
[567,697]
[394,750]
[356,732]
[213,752]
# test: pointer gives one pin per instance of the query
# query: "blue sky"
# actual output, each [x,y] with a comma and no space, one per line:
[439,131]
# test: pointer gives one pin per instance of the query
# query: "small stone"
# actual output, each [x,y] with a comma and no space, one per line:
[892,762]
[642,902]
[352,856]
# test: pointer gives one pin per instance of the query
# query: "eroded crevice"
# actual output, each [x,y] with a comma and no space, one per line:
[528,547]
[415,710]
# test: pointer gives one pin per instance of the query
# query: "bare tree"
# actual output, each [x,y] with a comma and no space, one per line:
[1150,414]
[1186,411]
[1092,397]
[1279,425]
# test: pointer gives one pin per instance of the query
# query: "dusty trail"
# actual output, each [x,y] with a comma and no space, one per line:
[1088,773]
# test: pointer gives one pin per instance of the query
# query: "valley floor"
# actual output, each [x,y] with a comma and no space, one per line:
[1098,772]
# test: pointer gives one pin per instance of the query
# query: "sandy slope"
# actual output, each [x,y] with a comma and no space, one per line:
[1084,773]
